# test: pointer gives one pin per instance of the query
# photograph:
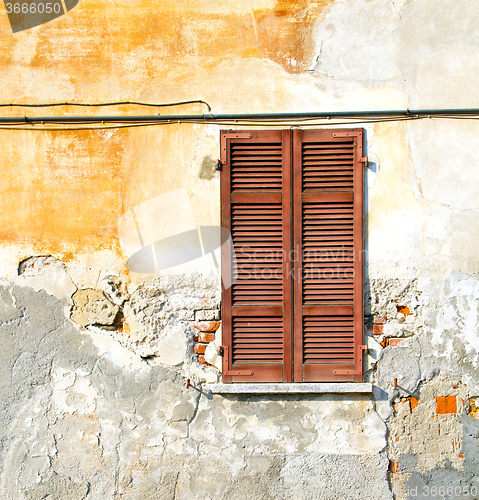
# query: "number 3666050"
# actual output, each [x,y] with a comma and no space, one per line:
[33,8]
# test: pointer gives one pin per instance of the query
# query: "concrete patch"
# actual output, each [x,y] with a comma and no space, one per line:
[93,307]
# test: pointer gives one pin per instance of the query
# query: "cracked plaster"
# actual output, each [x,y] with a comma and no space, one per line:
[94,418]
[88,407]
[112,409]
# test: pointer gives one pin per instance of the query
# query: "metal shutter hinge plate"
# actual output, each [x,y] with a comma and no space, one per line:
[344,134]
[236,135]
[353,372]
[225,354]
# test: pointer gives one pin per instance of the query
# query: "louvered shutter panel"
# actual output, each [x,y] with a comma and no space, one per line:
[256,208]
[328,282]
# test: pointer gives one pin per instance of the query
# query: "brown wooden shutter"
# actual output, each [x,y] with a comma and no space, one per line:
[328,228]
[256,208]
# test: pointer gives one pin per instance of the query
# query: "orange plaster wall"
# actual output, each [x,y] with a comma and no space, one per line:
[65,191]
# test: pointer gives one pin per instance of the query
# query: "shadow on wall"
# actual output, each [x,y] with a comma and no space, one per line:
[161,233]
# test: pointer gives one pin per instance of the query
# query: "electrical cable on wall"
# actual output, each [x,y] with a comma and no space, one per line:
[101,104]
[290,120]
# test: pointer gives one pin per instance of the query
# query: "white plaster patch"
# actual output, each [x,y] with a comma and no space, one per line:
[355,42]
[443,152]
[439,73]
[211,353]
[72,393]
[86,404]
[459,313]
[393,248]
[197,372]
[62,380]
[346,427]
[113,351]
[49,274]
[172,349]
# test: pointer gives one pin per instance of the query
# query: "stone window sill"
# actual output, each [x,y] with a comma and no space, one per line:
[312,388]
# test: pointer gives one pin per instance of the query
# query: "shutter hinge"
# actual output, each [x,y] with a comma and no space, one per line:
[347,372]
[343,134]
[236,135]
[353,372]
[219,165]
[224,351]
[364,159]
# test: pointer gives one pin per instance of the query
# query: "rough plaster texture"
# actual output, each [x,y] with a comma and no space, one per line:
[92,307]
[103,412]
[291,56]
[82,421]
[435,358]
[88,413]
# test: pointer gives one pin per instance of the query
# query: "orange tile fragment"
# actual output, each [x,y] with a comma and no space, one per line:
[446,404]
[393,466]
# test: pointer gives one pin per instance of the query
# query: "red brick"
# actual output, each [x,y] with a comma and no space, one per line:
[200,348]
[446,404]
[413,402]
[394,342]
[207,326]
[378,329]
[206,337]
[379,320]
[202,360]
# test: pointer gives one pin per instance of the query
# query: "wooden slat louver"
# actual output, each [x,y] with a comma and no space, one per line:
[257,338]
[257,234]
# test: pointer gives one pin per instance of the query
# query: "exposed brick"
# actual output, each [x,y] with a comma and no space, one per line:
[413,402]
[393,466]
[394,342]
[202,360]
[378,329]
[199,348]
[206,337]
[403,310]
[207,326]
[379,320]
[195,338]
[473,408]
[446,404]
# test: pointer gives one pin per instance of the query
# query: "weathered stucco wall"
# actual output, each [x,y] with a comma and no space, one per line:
[96,358]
